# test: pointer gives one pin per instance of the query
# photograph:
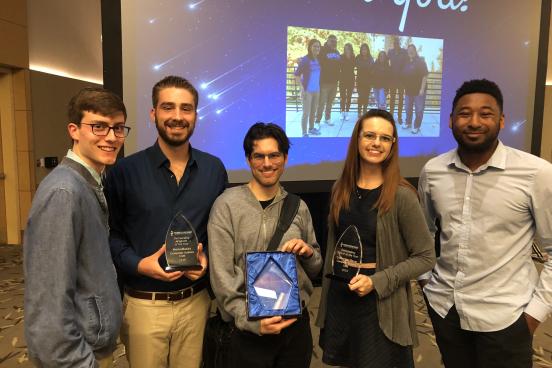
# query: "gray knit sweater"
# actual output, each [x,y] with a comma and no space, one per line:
[404,250]
[238,224]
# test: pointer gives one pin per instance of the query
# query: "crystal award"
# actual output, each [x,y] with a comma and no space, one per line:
[347,256]
[181,245]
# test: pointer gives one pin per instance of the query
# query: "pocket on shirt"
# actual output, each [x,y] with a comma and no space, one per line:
[97,322]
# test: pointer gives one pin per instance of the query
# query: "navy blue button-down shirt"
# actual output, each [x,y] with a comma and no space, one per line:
[143,197]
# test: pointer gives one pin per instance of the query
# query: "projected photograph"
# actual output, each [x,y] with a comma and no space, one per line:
[333,77]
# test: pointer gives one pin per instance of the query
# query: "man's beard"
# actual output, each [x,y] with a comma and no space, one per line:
[488,143]
[173,123]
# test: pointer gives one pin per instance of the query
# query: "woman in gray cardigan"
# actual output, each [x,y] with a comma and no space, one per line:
[369,321]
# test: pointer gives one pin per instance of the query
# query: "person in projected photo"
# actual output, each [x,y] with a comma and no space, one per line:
[243,219]
[485,296]
[346,80]
[164,312]
[369,322]
[380,75]
[364,63]
[415,81]
[397,60]
[329,76]
[308,78]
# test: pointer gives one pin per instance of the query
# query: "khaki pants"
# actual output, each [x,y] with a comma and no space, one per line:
[159,334]
[106,362]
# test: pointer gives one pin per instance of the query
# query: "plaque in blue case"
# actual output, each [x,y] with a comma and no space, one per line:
[272,288]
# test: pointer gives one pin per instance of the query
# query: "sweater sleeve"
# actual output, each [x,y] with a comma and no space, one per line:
[227,277]
[418,242]
[50,254]
[313,264]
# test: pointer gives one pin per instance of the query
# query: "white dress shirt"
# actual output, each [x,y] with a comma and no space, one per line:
[489,218]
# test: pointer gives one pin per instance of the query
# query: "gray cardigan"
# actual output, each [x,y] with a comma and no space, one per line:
[238,224]
[404,250]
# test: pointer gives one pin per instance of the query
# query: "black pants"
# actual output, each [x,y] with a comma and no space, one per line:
[393,92]
[345,95]
[510,347]
[292,348]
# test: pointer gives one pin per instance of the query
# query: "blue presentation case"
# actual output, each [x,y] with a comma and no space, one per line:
[272,288]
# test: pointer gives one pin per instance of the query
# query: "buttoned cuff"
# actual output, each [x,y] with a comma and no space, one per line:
[537,310]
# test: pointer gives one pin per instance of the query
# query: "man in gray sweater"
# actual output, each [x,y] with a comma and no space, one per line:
[243,219]
[73,308]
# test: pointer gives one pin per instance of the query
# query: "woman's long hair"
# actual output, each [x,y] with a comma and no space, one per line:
[349,47]
[365,46]
[309,48]
[345,185]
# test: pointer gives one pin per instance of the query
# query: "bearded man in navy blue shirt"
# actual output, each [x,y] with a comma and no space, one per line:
[164,312]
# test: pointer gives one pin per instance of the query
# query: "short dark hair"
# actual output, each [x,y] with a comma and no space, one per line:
[96,100]
[479,86]
[262,130]
[176,82]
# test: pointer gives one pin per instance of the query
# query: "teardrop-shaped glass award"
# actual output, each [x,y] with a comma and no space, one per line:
[347,256]
[181,245]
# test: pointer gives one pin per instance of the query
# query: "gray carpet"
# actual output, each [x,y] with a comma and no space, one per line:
[13,352]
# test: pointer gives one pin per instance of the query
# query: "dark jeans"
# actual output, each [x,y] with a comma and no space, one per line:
[292,348]
[325,103]
[363,99]
[345,95]
[507,348]
[393,92]
[417,103]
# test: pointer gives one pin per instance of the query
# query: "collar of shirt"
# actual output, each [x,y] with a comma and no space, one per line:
[73,156]
[160,160]
[497,160]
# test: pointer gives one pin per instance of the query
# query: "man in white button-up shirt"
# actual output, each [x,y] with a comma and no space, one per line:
[487,202]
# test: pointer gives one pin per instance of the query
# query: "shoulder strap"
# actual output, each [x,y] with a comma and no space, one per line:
[287,214]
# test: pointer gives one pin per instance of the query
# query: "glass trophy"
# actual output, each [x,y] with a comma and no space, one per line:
[272,287]
[181,245]
[347,256]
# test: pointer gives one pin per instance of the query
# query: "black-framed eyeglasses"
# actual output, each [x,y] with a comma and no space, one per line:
[102,130]
[273,157]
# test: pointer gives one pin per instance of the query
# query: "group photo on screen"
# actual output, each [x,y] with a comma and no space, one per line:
[333,77]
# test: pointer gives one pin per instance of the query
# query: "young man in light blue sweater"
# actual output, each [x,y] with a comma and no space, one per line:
[72,303]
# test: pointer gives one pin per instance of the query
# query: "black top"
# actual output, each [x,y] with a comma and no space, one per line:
[144,196]
[364,70]
[264,204]
[347,73]
[381,75]
[362,214]
[330,65]
[414,72]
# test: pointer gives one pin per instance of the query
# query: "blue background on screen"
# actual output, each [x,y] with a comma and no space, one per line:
[237,51]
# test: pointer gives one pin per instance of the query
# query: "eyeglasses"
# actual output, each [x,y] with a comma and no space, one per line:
[384,138]
[102,130]
[274,157]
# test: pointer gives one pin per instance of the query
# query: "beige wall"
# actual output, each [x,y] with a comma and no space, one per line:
[546,144]
[66,36]
[50,115]
[17,147]
[14,51]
